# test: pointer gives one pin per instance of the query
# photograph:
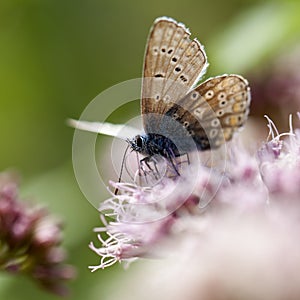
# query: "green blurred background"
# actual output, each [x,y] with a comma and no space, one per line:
[57,55]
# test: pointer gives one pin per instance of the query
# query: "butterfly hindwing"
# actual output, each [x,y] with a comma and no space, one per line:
[213,111]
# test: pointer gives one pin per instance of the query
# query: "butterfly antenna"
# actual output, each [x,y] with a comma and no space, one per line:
[121,171]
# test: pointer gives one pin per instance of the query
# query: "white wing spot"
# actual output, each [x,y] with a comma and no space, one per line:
[213,133]
[175,116]
[195,95]
[170,51]
[166,98]
[174,59]
[217,143]
[178,69]
[223,103]
[183,78]
[163,49]
[209,94]
[221,96]
[199,112]
[215,122]
[220,112]
[155,50]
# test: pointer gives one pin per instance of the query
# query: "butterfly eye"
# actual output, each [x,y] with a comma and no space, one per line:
[139,142]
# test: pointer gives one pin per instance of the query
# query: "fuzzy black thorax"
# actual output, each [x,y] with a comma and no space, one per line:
[152,143]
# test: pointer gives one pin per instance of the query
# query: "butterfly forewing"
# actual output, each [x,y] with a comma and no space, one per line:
[173,64]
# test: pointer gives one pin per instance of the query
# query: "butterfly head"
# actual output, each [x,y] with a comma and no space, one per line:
[137,143]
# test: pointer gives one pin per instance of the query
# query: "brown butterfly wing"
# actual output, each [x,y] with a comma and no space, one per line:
[173,64]
[213,111]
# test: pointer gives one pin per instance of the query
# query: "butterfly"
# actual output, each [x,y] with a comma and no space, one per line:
[178,115]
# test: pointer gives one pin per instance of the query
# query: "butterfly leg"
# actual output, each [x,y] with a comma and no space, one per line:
[146,161]
[170,156]
[187,158]
[142,172]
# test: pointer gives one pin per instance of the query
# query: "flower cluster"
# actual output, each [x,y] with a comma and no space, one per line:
[30,240]
[261,188]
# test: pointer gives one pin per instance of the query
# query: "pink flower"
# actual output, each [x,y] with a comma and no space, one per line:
[30,241]
[253,191]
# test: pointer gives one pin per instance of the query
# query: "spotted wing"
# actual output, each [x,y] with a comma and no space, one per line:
[214,110]
[173,64]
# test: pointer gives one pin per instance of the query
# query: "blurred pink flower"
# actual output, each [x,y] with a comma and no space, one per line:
[241,244]
[30,240]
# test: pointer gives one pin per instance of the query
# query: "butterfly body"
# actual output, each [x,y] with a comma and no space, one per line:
[154,144]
